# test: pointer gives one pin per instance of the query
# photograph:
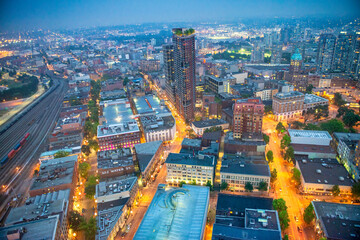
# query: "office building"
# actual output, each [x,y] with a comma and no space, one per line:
[170,86]
[200,127]
[343,52]
[336,220]
[184,65]
[217,85]
[325,52]
[176,213]
[189,169]
[237,170]
[319,175]
[245,218]
[248,116]
[287,105]
[115,163]
[249,142]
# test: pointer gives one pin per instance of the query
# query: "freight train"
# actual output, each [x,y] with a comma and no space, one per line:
[13,152]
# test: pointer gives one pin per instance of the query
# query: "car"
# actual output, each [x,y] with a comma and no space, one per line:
[280,190]
[296,219]
[299,228]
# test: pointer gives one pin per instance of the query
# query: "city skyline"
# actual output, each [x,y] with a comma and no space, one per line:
[26,15]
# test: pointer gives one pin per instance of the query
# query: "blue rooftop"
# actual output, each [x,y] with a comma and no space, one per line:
[117,111]
[296,56]
[176,213]
[150,104]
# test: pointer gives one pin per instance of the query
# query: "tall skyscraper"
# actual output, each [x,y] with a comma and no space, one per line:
[168,52]
[325,52]
[295,63]
[248,116]
[343,52]
[184,66]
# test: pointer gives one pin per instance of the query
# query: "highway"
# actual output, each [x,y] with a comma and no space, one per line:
[39,121]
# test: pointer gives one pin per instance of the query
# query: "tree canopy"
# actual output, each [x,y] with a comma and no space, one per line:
[309,214]
[270,156]
[61,153]
[249,187]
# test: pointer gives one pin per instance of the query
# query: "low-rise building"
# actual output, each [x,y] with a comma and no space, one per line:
[347,147]
[183,210]
[318,176]
[149,157]
[191,144]
[245,218]
[115,163]
[336,220]
[287,105]
[200,126]
[55,175]
[249,145]
[189,168]
[312,101]
[236,171]
[217,85]
[266,94]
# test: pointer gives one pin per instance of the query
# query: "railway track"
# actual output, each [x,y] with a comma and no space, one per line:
[42,118]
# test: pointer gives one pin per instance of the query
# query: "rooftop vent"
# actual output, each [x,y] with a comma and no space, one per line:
[318,171]
[341,178]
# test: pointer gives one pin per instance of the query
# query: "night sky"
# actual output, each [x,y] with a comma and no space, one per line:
[29,14]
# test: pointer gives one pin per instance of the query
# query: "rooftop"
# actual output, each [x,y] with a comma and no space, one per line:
[209,123]
[311,98]
[191,142]
[115,158]
[296,56]
[145,152]
[151,104]
[108,215]
[117,129]
[44,228]
[115,186]
[117,111]
[262,219]
[245,165]
[338,221]
[323,171]
[231,232]
[189,159]
[55,172]
[175,213]
[309,134]
[350,139]
[284,95]
[156,123]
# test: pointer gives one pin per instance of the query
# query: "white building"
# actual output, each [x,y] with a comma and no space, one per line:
[310,137]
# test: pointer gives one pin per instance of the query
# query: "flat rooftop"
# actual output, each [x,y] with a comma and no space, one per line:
[156,123]
[262,219]
[175,213]
[117,129]
[150,104]
[209,123]
[115,186]
[245,167]
[323,171]
[145,152]
[191,142]
[284,95]
[107,217]
[338,221]
[44,228]
[189,159]
[221,231]
[311,98]
[349,139]
[54,173]
[117,111]
[309,134]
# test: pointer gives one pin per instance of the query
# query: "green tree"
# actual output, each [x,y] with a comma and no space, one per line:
[182,183]
[296,176]
[126,81]
[266,138]
[90,186]
[273,176]
[335,190]
[289,154]
[224,186]
[285,141]
[263,186]
[280,206]
[342,110]
[93,144]
[60,154]
[355,190]
[249,187]
[85,149]
[332,125]
[286,237]
[193,182]
[310,126]
[309,88]
[75,219]
[309,214]
[84,168]
[208,184]
[350,119]
[270,156]
[297,125]
[338,100]
[74,101]
[280,128]
[268,109]
[89,227]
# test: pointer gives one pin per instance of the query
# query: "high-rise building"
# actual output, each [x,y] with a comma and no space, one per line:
[184,66]
[276,53]
[295,63]
[343,51]
[257,53]
[325,52]
[355,56]
[248,116]
[168,52]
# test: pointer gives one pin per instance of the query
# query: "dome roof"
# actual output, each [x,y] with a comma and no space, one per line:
[296,56]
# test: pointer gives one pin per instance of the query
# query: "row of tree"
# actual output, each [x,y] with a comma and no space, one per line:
[78,223]
[263,186]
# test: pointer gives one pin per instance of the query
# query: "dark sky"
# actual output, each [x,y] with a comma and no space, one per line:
[20,14]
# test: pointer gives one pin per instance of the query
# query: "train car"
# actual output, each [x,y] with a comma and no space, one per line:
[4,160]
[22,142]
[12,154]
[17,147]
[27,136]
